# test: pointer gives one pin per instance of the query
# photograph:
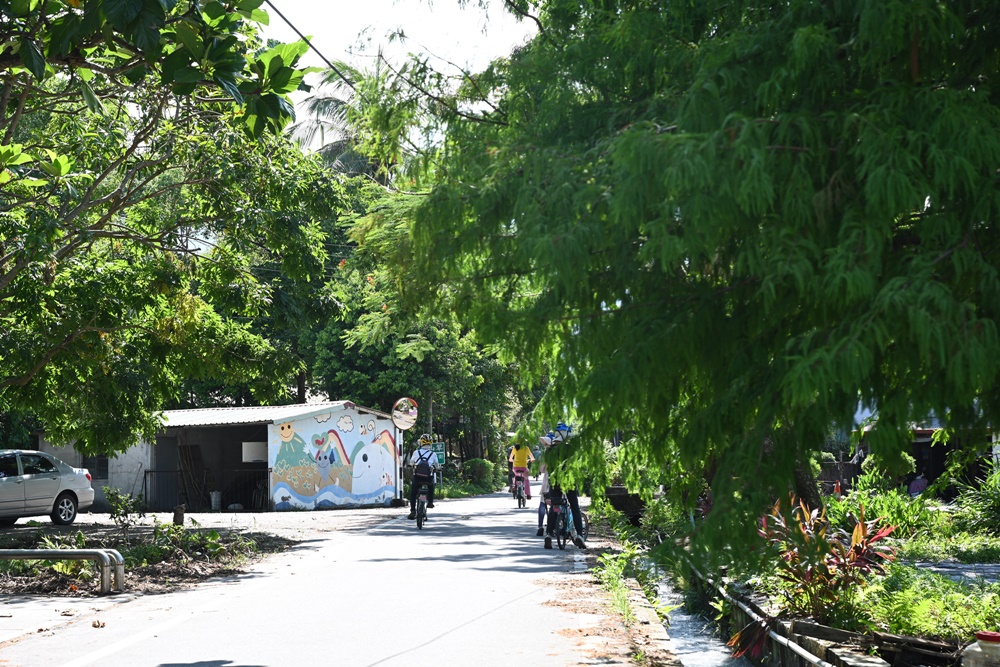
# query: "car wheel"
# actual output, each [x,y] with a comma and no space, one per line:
[7,523]
[64,513]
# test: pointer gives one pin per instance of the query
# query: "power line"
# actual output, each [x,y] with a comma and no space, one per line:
[311,46]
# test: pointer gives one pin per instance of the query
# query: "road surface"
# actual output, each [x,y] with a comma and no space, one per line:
[474,587]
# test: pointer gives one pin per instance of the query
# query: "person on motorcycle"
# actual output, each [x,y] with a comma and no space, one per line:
[553,490]
[424,462]
[519,457]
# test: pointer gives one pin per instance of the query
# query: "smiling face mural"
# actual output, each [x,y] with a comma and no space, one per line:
[312,469]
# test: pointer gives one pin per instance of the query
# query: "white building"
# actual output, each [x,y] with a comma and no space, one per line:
[303,456]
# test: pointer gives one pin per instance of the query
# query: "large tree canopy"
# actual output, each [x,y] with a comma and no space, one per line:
[135,171]
[723,226]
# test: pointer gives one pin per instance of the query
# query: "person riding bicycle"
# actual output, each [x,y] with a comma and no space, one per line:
[424,462]
[519,457]
[554,492]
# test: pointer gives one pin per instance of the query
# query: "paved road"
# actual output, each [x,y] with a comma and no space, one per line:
[474,587]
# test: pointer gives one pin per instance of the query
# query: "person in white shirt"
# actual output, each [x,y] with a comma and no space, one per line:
[424,462]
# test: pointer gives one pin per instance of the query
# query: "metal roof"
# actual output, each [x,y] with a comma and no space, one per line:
[263,414]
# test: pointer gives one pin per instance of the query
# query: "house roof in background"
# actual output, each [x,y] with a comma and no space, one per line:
[262,414]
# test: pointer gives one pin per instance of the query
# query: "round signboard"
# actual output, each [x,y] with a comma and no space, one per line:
[404,413]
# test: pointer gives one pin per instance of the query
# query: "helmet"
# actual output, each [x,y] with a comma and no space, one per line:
[425,439]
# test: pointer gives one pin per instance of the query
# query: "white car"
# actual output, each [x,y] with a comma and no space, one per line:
[35,484]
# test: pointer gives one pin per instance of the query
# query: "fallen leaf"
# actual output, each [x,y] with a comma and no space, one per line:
[98,624]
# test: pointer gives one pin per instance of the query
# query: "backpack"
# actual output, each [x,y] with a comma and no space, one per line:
[423,467]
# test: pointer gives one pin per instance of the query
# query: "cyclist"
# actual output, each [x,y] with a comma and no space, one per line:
[519,458]
[546,441]
[555,492]
[424,462]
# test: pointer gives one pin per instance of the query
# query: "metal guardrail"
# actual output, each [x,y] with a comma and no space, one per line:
[104,558]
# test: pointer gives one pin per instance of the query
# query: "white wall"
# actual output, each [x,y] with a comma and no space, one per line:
[125,471]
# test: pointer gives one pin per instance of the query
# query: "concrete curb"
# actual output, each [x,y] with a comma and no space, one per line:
[648,636]
[648,632]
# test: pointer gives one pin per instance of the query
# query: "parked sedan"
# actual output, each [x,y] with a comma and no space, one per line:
[35,483]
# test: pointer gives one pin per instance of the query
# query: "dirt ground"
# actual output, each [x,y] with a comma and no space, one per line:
[610,642]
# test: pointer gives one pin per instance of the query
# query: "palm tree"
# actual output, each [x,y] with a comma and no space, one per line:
[327,127]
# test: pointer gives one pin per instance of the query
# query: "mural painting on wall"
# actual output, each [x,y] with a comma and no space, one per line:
[319,463]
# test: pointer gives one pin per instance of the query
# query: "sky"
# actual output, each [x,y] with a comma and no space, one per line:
[353,30]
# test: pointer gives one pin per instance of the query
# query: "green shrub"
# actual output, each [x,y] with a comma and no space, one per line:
[915,602]
[962,547]
[663,520]
[880,475]
[478,472]
[126,509]
[979,504]
[499,476]
[911,516]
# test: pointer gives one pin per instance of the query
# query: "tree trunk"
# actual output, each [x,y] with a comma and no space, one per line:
[806,487]
[300,381]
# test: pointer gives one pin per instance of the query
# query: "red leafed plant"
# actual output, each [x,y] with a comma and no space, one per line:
[751,640]
[822,567]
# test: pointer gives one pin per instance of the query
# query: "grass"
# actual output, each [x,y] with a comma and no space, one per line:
[611,572]
[961,547]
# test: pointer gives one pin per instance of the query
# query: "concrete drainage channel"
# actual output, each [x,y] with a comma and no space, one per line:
[106,559]
[693,638]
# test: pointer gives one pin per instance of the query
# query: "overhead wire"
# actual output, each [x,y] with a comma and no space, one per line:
[305,39]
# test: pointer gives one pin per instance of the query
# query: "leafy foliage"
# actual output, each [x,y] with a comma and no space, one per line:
[824,567]
[960,547]
[915,602]
[910,516]
[125,509]
[612,570]
[478,472]
[129,161]
[721,226]
[979,504]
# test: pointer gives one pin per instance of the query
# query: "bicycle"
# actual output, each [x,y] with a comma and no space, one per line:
[565,530]
[522,500]
[423,495]
[422,491]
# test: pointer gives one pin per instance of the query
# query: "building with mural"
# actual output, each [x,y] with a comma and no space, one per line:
[290,457]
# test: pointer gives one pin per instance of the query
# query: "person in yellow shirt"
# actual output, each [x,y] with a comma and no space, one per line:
[521,456]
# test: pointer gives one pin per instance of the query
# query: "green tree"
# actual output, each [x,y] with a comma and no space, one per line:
[327,128]
[123,125]
[375,350]
[723,226]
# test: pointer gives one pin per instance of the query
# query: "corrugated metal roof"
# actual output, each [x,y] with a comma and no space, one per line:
[263,414]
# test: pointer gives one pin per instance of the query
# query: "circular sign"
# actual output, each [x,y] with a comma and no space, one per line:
[404,413]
